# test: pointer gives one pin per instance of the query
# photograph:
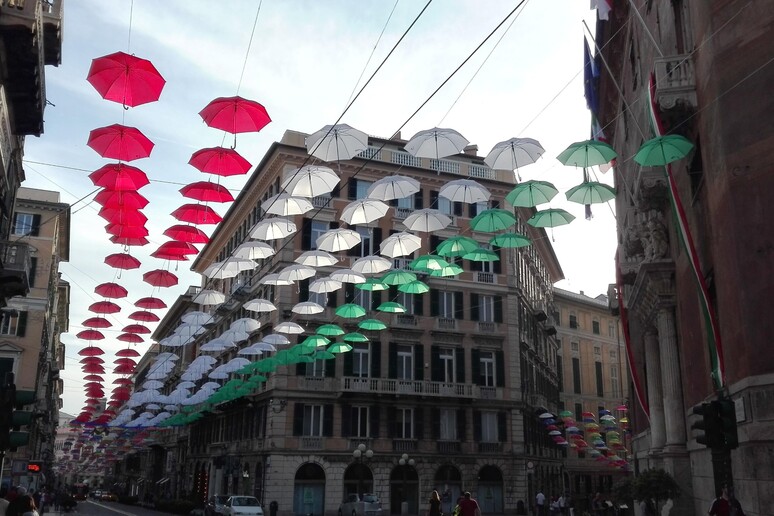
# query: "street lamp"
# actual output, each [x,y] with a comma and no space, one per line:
[405,461]
[359,454]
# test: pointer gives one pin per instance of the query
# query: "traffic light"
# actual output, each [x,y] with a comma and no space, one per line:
[727,413]
[11,419]
[710,425]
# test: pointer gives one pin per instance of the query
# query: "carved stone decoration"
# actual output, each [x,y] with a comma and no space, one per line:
[657,241]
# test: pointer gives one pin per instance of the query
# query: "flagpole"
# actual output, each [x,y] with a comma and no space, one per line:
[647,31]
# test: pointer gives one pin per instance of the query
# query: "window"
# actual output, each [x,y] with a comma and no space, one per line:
[560,372]
[446,305]
[597,351]
[313,420]
[611,330]
[445,206]
[576,379]
[613,354]
[316,369]
[600,383]
[486,309]
[614,387]
[321,298]
[33,271]
[405,363]
[446,356]
[487,368]
[317,228]
[489,427]
[363,298]
[6,366]
[448,424]
[405,423]
[361,191]
[406,202]
[366,241]
[578,412]
[574,346]
[360,422]
[595,327]
[407,300]
[13,323]
[26,224]
[360,360]
[573,321]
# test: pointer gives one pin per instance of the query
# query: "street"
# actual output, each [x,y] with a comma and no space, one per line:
[93,508]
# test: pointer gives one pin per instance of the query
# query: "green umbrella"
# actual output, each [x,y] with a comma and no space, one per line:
[415,287]
[350,311]
[531,193]
[330,330]
[398,277]
[456,246]
[257,378]
[355,337]
[323,354]
[550,218]
[662,150]
[267,365]
[372,325]
[339,347]
[510,240]
[392,307]
[308,359]
[372,284]
[428,262]
[451,270]
[587,154]
[590,192]
[315,341]
[492,220]
[482,255]
[285,357]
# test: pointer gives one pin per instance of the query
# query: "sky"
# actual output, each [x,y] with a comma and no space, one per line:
[302,62]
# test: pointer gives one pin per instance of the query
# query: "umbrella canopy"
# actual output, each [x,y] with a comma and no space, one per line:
[273,279]
[364,211]
[97,322]
[120,142]
[296,272]
[119,177]
[229,267]
[330,330]
[316,258]
[400,244]
[259,305]
[310,181]
[427,220]
[90,335]
[324,285]
[510,240]
[392,308]
[128,216]
[272,229]
[514,153]
[186,233]
[254,250]
[207,191]
[122,261]
[347,276]
[464,190]
[307,308]
[235,115]
[121,199]
[550,218]
[160,278]
[492,220]
[662,150]
[428,262]
[196,214]
[353,337]
[173,247]
[288,327]
[335,240]
[126,231]
[144,316]
[372,285]
[286,205]
[456,246]
[371,265]
[219,161]
[587,154]
[131,338]
[126,79]
[371,325]
[436,143]
[336,142]
[209,297]
[111,290]
[350,311]
[150,303]
[482,255]
[414,287]
[531,193]
[393,187]
[590,192]
[398,277]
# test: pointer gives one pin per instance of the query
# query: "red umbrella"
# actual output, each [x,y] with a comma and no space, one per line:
[104,307]
[128,352]
[207,191]
[131,338]
[122,261]
[97,322]
[129,241]
[93,384]
[120,142]
[123,381]
[126,79]
[170,255]
[127,216]
[196,214]
[160,278]
[136,328]
[91,351]
[121,199]
[90,335]
[111,290]
[184,233]
[219,161]
[235,115]
[121,395]
[151,303]
[125,361]
[127,231]
[89,409]
[123,369]
[144,316]
[175,247]
[93,378]
[91,360]
[119,177]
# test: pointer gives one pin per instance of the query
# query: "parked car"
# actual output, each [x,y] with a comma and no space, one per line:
[96,495]
[108,497]
[243,505]
[216,506]
[355,505]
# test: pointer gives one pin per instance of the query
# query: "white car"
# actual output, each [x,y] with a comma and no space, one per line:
[354,505]
[242,506]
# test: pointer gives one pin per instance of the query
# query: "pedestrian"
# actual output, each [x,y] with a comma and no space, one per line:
[720,505]
[17,504]
[469,506]
[3,502]
[540,503]
[562,504]
[27,506]
[435,504]
[598,505]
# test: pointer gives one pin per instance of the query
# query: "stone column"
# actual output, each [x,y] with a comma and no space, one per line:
[655,395]
[674,412]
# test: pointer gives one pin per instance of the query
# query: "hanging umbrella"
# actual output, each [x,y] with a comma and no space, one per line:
[186,233]
[336,142]
[254,251]
[307,308]
[150,303]
[126,231]
[160,278]
[219,161]
[482,255]
[446,272]
[316,258]
[272,229]
[131,338]
[275,339]
[371,265]
[427,220]
[324,285]
[127,216]
[510,240]
[330,330]
[392,308]
[97,322]
[456,246]
[335,240]
[120,142]
[464,190]
[414,287]
[207,191]
[119,177]
[398,277]
[492,220]
[196,318]
[90,335]
[350,311]
[400,244]
[129,241]
[590,192]
[127,353]
[310,181]
[229,268]
[436,143]
[587,154]
[121,199]
[372,325]
[296,272]
[111,290]
[136,328]
[531,193]
[288,327]
[196,214]
[209,297]
[372,285]
[126,79]
[339,347]
[174,247]
[662,150]
[364,211]
[122,261]
[514,153]
[91,351]
[428,262]
[286,205]
[235,115]
[353,337]
[274,279]
[347,276]
[393,187]
[550,218]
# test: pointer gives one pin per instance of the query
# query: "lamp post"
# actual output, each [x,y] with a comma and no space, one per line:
[359,454]
[405,461]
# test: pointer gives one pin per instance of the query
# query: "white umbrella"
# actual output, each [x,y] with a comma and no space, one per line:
[464,190]
[400,244]
[316,258]
[229,267]
[285,205]
[209,297]
[189,330]
[152,406]
[196,317]
[204,360]
[307,308]
[232,335]
[393,187]
[276,339]
[348,276]
[288,327]
[265,346]
[274,279]
[436,143]
[218,375]
[259,305]
[216,345]
[364,211]
[427,220]
[324,285]
[165,356]
[335,240]
[152,384]
[176,341]
[254,250]
[235,364]
[245,325]
[296,272]
[310,181]
[272,229]
[185,385]
[371,265]
[250,351]
[514,153]
[336,142]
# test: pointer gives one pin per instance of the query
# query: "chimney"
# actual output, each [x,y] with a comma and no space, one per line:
[471,150]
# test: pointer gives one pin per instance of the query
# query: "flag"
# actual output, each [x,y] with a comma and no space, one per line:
[603,8]
[590,79]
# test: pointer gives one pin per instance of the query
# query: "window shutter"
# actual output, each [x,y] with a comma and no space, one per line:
[303,290]
[376,359]
[392,422]
[35,230]
[376,299]
[348,364]
[498,309]
[474,301]
[352,189]
[335,193]
[33,271]
[461,420]
[433,302]
[306,234]
[459,313]
[373,415]
[459,359]
[419,202]
[13,223]
[500,369]
[435,419]
[332,299]
[434,199]
[298,419]
[419,362]
[330,368]
[393,203]
[494,203]
[475,366]
[21,325]
[333,224]
[358,249]
[457,208]
[328,420]
[475,266]
[419,304]
[346,420]
[477,425]
[496,266]
[502,429]
[376,240]
[349,293]
[419,423]
[393,361]
[473,210]
[301,369]
[436,373]
[434,243]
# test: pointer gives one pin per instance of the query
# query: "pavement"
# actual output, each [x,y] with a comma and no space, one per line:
[94,508]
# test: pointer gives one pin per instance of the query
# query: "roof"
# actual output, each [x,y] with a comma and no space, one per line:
[599,301]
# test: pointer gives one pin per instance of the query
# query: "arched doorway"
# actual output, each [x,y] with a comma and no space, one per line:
[490,490]
[448,482]
[404,488]
[358,479]
[309,490]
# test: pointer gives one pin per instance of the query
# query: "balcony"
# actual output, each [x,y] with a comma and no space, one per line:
[406,387]
[404,445]
[676,82]
[14,270]
[405,320]
[311,443]
[444,323]
[490,447]
[53,18]
[485,277]
[449,447]
[402,213]
[322,201]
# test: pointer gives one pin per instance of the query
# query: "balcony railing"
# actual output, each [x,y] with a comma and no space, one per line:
[311,443]
[447,447]
[322,201]
[445,165]
[15,267]
[490,447]
[402,213]
[408,387]
[371,153]
[485,277]
[445,323]
[675,81]
[404,158]
[481,172]
[487,327]
[404,445]
[405,320]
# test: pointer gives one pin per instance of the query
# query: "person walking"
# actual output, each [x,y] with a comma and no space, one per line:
[469,506]
[435,504]
[720,506]
[540,503]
